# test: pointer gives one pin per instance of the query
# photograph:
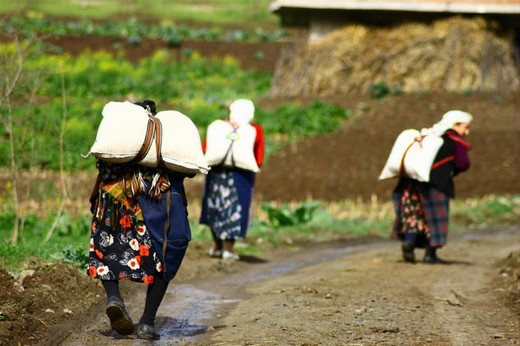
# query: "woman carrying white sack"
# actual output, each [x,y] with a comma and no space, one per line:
[422,208]
[140,229]
[234,149]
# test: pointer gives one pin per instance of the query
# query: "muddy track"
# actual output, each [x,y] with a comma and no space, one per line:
[340,294]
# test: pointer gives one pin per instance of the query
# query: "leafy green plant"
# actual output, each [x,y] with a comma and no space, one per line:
[297,122]
[379,90]
[71,246]
[133,30]
[76,256]
[73,226]
[286,216]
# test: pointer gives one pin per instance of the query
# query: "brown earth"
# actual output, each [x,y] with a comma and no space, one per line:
[260,56]
[346,164]
[368,298]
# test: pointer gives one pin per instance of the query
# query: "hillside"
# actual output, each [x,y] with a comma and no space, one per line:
[346,164]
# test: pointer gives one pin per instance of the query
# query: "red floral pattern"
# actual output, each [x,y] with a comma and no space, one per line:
[120,246]
[412,213]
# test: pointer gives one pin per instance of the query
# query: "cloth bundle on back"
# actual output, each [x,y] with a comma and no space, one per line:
[140,229]
[426,162]
[234,149]
[128,133]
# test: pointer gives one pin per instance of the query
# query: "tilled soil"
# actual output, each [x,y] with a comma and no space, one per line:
[346,164]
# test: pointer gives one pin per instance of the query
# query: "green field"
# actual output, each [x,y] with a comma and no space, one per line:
[248,13]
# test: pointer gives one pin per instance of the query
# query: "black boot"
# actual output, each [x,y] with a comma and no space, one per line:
[408,254]
[147,332]
[120,320]
[409,241]
[430,256]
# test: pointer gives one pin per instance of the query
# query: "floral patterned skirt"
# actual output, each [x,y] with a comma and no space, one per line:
[120,245]
[227,202]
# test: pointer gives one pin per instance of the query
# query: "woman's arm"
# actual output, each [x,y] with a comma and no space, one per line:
[462,162]
[259,145]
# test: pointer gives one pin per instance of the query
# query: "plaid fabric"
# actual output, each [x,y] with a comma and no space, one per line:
[435,208]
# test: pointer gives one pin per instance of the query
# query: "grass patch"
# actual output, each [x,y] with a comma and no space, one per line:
[329,221]
[69,243]
[350,219]
[486,211]
[223,12]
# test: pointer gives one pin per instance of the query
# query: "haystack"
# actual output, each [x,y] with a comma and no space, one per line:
[450,55]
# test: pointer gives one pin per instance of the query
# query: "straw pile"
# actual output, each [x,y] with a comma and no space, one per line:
[450,55]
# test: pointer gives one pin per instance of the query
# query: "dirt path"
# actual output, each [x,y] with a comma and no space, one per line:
[344,294]
[371,297]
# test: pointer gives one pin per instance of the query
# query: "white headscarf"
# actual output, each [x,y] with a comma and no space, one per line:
[242,111]
[449,119]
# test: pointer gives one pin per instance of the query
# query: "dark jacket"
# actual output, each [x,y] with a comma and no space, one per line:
[451,160]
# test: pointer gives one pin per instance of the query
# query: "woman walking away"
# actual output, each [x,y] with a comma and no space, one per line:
[234,149]
[422,208]
[139,232]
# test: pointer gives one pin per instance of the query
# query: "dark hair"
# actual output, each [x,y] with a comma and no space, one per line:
[148,105]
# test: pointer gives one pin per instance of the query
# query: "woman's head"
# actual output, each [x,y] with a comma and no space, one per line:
[458,121]
[149,105]
[242,111]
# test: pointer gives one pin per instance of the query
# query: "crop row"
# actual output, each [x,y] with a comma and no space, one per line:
[135,30]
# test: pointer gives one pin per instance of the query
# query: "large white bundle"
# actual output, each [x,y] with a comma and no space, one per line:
[414,154]
[221,135]
[123,131]
[181,149]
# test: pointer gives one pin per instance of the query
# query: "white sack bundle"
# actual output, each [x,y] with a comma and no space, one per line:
[181,148]
[414,153]
[221,138]
[121,132]
[124,128]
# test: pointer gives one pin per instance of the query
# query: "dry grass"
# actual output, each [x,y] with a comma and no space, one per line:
[452,55]
[41,196]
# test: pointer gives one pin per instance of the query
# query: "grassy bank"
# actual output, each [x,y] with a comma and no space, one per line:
[293,224]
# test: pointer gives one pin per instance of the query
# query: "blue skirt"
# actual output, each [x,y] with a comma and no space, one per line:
[226,202]
[167,222]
